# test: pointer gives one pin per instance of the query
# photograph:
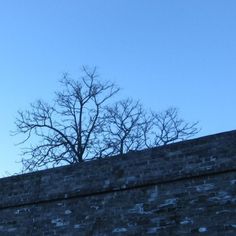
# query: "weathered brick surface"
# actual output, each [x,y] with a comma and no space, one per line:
[187,188]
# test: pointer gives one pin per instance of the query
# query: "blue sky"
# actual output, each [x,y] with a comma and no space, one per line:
[165,53]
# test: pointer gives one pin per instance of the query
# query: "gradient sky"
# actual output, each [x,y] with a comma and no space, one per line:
[163,52]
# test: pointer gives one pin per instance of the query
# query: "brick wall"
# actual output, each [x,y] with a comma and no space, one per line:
[186,188]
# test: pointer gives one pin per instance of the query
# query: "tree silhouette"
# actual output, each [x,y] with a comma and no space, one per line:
[67,129]
[83,124]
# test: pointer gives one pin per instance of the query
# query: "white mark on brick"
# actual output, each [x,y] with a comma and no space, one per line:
[186,221]
[204,187]
[58,222]
[138,208]
[17,212]
[67,212]
[222,212]
[171,201]
[95,207]
[202,230]
[119,230]
[221,197]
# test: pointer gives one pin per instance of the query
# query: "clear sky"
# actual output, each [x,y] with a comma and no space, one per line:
[163,52]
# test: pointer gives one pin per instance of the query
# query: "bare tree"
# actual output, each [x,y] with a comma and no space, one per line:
[67,130]
[123,127]
[167,127]
[81,124]
[130,127]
